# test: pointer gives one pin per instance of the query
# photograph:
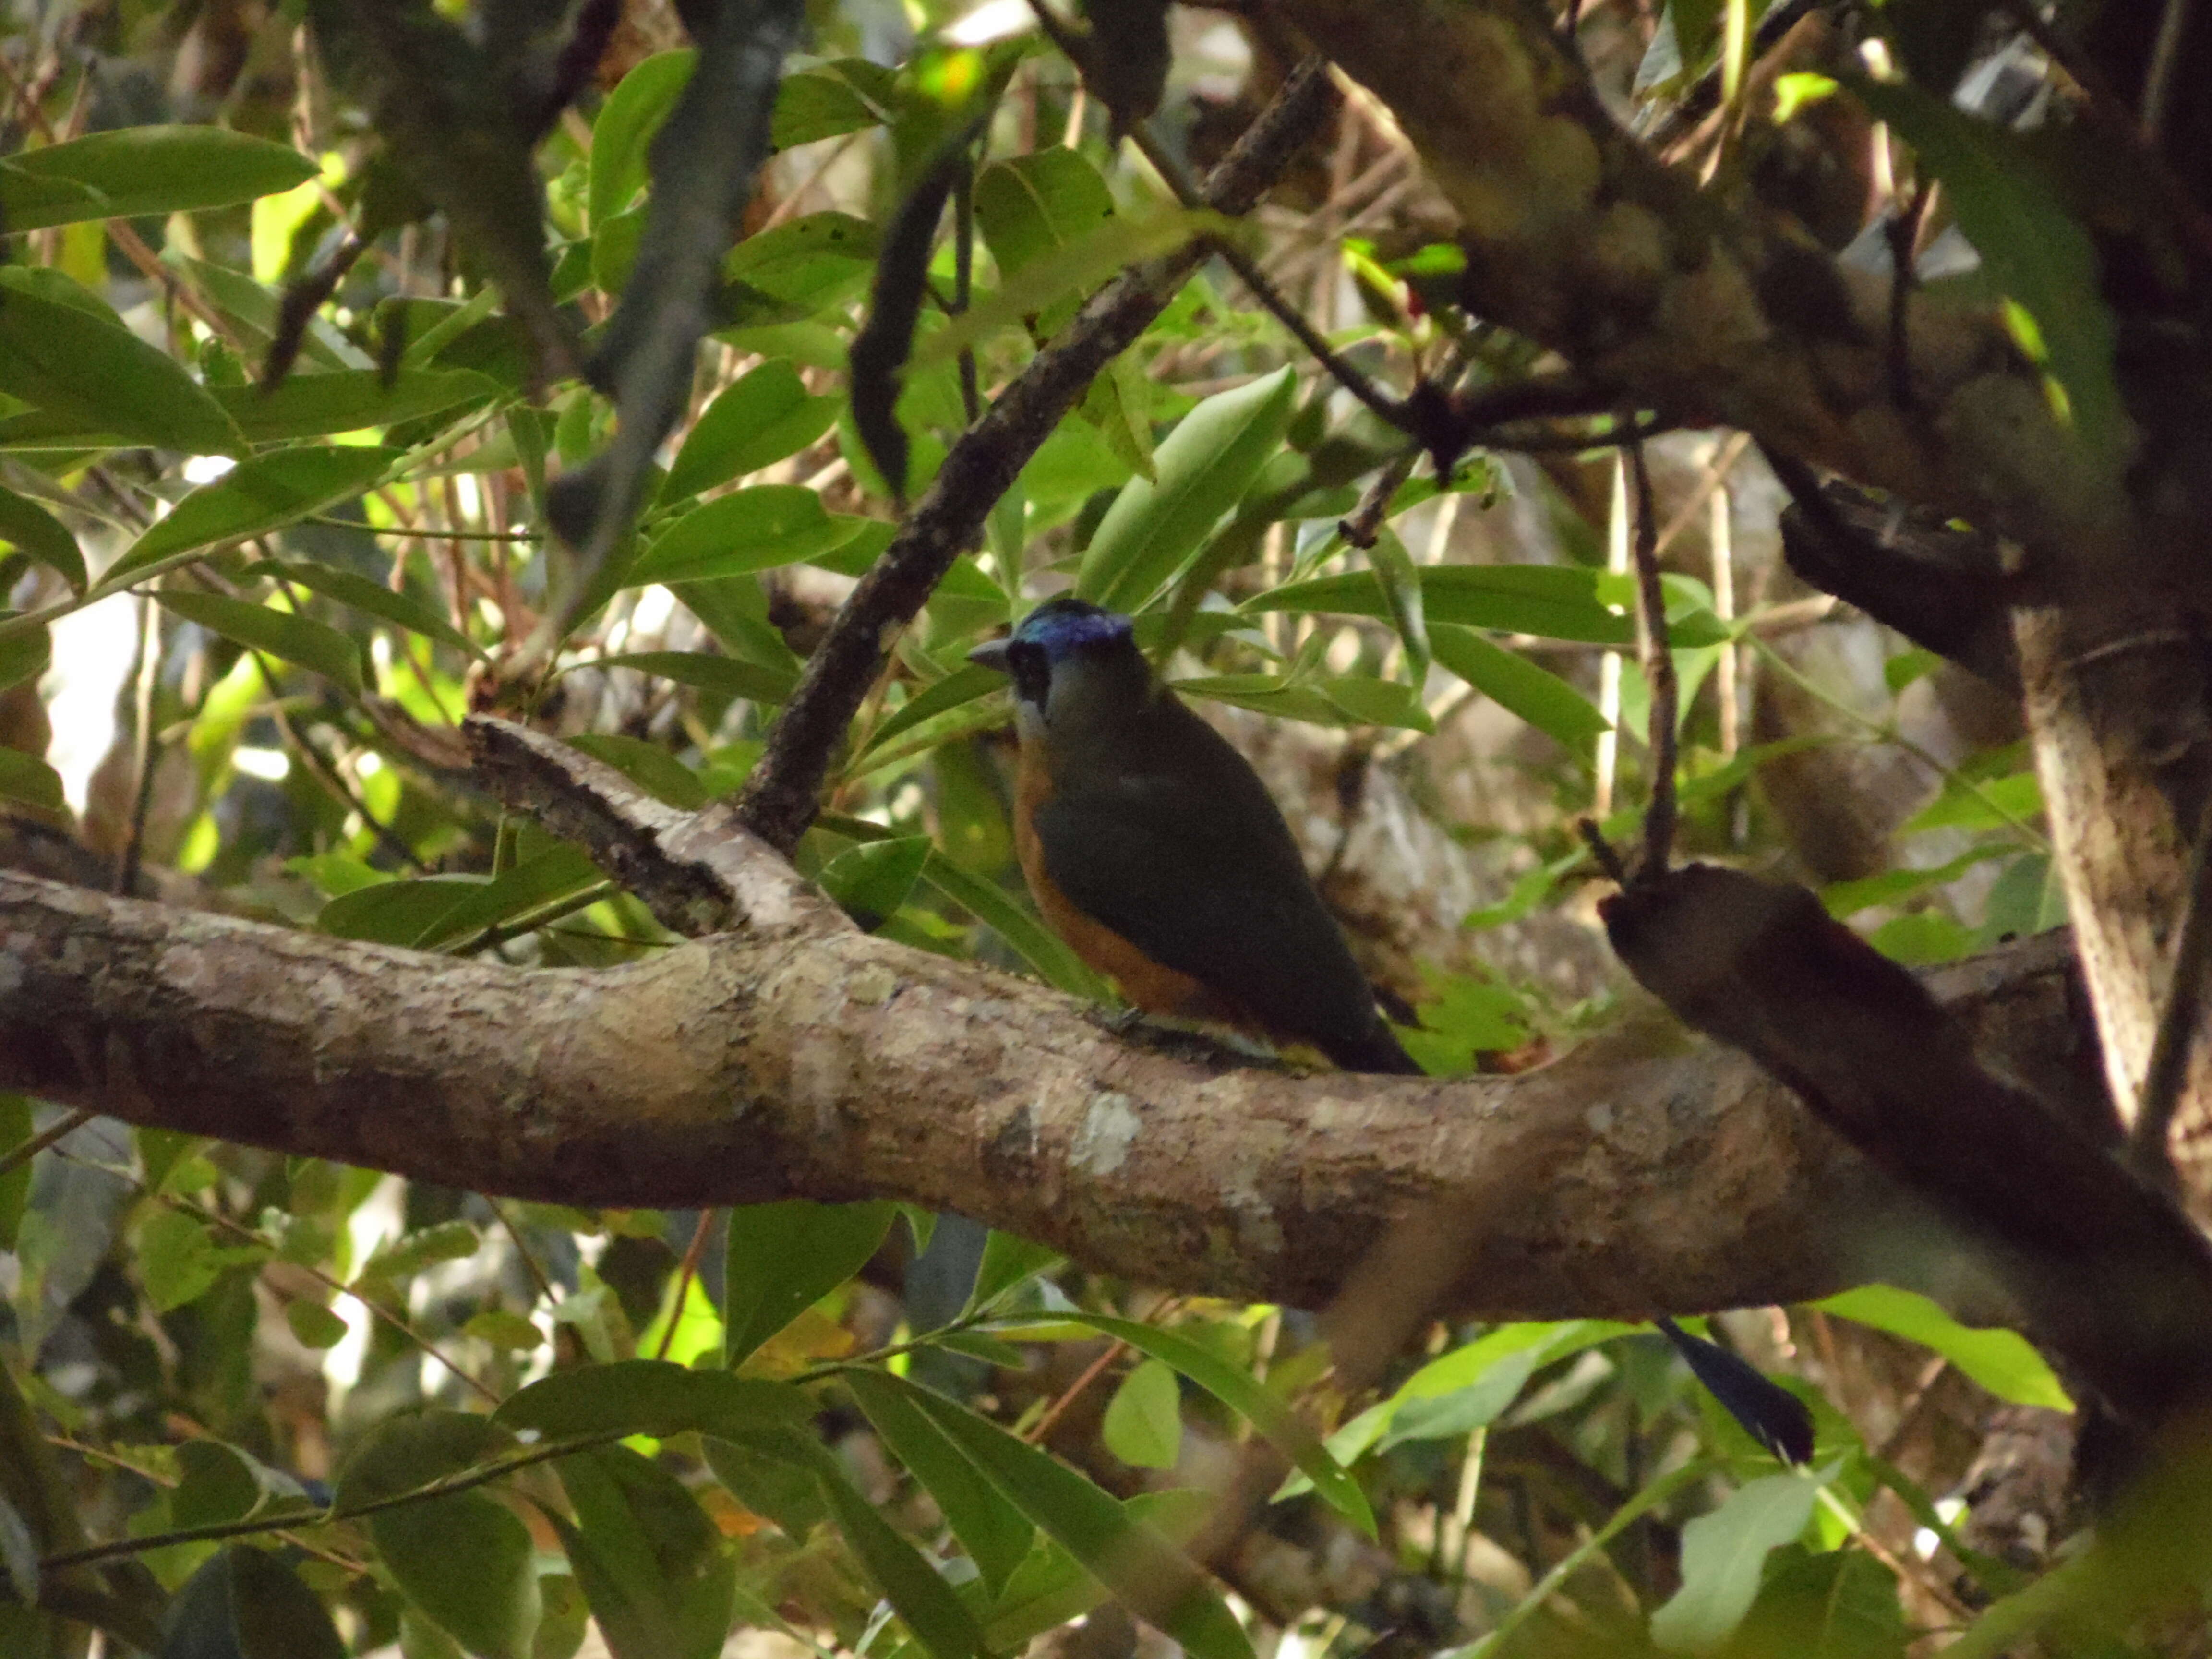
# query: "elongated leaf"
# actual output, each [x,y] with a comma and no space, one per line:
[2001,1361]
[350,400]
[468,1566]
[938,1619]
[961,687]
[1518,686]
[66,361]
[1024,933]
[130,173]
[830,99]
[993,1531]
[622,134]
[295,639]
[1557,602]
[1129,1557]
[28,527]
[254,497]
[654,1397]
[358,593]
[25,656]
[647,765]
[750,530]
[244,1603]
[1722,1554]
[785,1257]
[395,912]
[1008,1261]
[763,417]
[556,873]
[728,675]
[1069,272]
[1235,1389]
[2038,252]
[406,1454]
[1156,525]
[651,1564]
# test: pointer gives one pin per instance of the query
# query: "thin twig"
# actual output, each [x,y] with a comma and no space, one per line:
[1346,374]
[17,1156]
[1658,661]
[2178,1021]
[444,1487]
[784,793]
[2165,57]
[149,672]
[683,1278]
[1074,1391]
[1365,524]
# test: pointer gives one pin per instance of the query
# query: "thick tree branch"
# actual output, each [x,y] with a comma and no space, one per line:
[1578,237]
[803,1057]
[780,798]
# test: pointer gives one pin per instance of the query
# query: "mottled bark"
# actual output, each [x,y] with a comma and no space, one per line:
[1643,1171]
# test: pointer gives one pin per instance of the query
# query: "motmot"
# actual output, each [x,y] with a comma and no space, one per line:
[1152,846]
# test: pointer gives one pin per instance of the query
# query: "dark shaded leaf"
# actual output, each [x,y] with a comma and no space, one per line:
[649,1561]
[993,1531]
[72,363]
[653,1397]
[870,881]
[27,526]
[468,1565]
[785,1257]
[938,1619]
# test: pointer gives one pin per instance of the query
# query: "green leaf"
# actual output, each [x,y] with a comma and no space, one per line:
[246,1603]
[2037,252]
[785,1257]
[748,530]
[1394,569]
[957,689]
[807,263]
[314,1325]
[870,881]
[764,418]
[1143,1424]
[1067,273]
[992,1531]
[66,362]
[257,495]
[1921,939]
[1722,1555]
[395,912]
[1127,1556]
[406,1454]
[1557,602]
[25,656]
[654,1569]
[279,633]
[35,533]
[1518,686]
[622,134]
[1996,804]
[772,1472]
[2001,1361]
[1156,525]
[1837,1604]
[938,1617]
[1025,935]
[29,780]
[350,400]
[647,765]
[1236,1389]
[729,676]
[177,1259]
[652,1397]
[467,1563]
[1846,898]
[358,593]
[1031,207]
[830,100]
[556,873]
[16,1127]
[131,172]
[1008,1262]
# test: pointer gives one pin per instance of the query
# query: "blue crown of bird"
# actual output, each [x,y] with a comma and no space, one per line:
[1152,846]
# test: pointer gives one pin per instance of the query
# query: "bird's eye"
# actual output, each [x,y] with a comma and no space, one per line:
[1031,669]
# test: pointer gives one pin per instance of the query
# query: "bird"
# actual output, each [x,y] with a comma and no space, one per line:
[1153,849]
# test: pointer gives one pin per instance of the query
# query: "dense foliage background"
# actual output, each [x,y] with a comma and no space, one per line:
[319,1410]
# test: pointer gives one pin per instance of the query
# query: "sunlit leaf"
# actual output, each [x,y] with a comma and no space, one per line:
[133,171]
[2001,1361]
